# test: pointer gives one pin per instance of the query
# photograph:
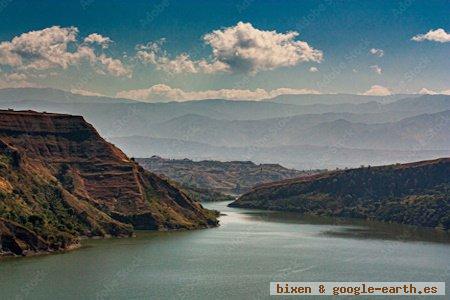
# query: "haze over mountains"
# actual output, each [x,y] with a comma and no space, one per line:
[336,98]
[53,95]
[331,129]
[300,131]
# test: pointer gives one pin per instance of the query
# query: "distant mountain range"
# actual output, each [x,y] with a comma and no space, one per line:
[53,95]
[233,177]
[309,99]
[422,132]
[301,157]
[340,130]
[414,194]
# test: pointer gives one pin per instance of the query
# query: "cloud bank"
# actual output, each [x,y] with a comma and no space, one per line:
[86,93]
[425,91]
[15,80]
[238,49]
[165,93]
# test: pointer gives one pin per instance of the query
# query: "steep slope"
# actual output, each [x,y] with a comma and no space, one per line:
[414,193]
[232,177]
[59,180]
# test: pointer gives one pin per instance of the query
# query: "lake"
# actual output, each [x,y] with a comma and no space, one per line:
[236,260]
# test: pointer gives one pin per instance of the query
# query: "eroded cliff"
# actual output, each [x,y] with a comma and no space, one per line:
[60,180]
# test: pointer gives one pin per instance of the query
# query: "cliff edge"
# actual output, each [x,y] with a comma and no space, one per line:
[60,180]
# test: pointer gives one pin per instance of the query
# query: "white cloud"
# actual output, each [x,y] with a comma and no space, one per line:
[290,91]
[164,93]
[313,69]
[85,92]
[237,49]
[376,69]
[15,80]
[113,66]
[95,38]
[425,91]
[377,52]
[56,48]
[153,54]
[377,90]
[16,84]
[438,35]
[16,77]
[42,49]
[182,63]
[245,48]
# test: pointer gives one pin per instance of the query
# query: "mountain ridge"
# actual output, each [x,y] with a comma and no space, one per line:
[332,129]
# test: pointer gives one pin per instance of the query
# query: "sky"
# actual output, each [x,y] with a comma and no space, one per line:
[247,49]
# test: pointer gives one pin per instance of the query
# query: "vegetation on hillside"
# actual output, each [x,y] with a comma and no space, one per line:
[232,178]
[415,194]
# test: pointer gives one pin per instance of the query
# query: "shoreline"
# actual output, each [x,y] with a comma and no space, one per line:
[78,245]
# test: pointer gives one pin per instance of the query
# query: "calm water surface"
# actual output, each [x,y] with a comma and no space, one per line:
[234,261]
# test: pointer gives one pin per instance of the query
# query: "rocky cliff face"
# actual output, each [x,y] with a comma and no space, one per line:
[60,180]
[414,194]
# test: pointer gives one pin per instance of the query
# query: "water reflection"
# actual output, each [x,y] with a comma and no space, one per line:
[350,228]
[234,261]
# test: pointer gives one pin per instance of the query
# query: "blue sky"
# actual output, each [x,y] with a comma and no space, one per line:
[343,32]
